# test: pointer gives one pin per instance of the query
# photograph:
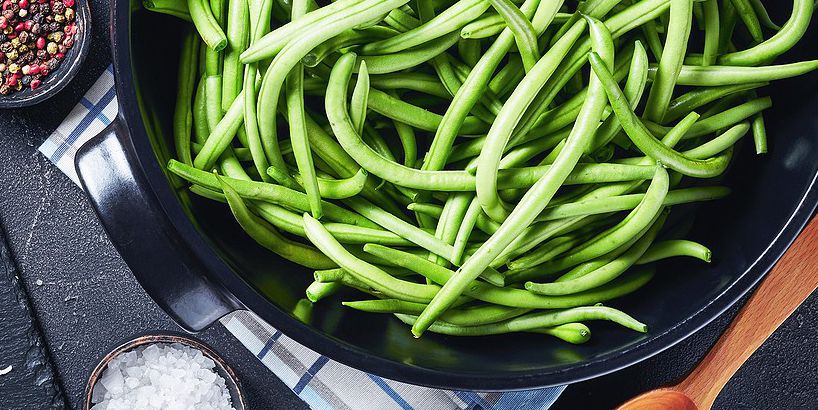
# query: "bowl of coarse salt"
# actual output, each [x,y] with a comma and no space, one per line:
[163,372]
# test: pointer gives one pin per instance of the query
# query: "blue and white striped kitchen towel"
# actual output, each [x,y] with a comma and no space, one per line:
[322,383]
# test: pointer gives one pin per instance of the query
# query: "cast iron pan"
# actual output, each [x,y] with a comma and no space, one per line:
[197,264]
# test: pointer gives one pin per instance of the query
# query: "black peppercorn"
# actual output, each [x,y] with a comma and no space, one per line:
[3,38]
[58,7]
[53,64]
[54,26]
[34,8]
[38,18]
[42,54]
[6,46]
[27,57]
[23,36]
[45,8]
[8,14]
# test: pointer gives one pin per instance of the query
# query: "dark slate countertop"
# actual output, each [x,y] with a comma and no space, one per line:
[89,302]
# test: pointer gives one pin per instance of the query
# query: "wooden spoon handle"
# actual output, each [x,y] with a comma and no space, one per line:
[790,282]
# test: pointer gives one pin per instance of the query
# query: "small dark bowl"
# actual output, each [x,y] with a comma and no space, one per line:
[57,80]
[223,370]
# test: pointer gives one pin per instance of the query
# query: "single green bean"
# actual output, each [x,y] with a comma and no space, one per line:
[451,19]
[183,112]
[171,7]
[673,248]
[525,34]
[365,272]
[509,296]
[267,236]
[672,59]
[206,24]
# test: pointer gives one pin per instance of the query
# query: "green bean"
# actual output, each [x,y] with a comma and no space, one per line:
[489,25]
[782,41]
[238,37]
[401,21]
[464,231]
[760,134]
[533,321]
[329,188]
[574,333]
[627,202]
[524,33]
[509,296]
[475,85]
[653,40]
[672,59]
[729,75]
[451,19]
[470,51]
[413,115]
[602,275]
[270,44]
[213,95]
[171,7]
[347,39]
[182,112]
[673,248]
[318,291]
[748,16]
[636,222]
[408,141]
[711,32]
[763,16]
[298,128]
[365,272]
[303,310]
[269,193]
[400,227]
[419,82]
[634,88]
[729,18]
[221,135]
[721,120]
[508,77]
[251,122]
[200,128]
[293,52]
[699,97]
[470,316]
[540,194]
[360,99]
[266,235]
[501,129]
[206,24]
[646,142]
[290,222]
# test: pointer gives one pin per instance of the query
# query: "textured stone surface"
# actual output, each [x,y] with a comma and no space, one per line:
[89,301]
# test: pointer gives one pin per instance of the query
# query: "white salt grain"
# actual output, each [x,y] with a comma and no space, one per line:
[161,376]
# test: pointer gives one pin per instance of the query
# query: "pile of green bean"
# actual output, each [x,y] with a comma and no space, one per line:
[475,166]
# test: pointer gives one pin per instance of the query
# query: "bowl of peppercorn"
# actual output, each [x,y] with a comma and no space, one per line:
[42,46]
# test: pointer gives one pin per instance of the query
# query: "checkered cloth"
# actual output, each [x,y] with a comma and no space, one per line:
[322,383]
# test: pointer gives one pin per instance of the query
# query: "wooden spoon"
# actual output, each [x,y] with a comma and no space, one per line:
[790,282]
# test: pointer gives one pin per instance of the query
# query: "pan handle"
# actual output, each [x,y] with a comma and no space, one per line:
[140,230]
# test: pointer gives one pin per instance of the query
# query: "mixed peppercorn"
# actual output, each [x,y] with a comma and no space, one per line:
[35,35]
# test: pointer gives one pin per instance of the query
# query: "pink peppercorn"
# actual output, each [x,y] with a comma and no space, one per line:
[28,24]
[68,3]
[40,43]
[23,4]
[43,69]
[20,27]
[59,56]
[34,69]
[35,84]
[11,81]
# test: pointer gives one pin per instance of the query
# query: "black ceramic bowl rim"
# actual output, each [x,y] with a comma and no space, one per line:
[57,80]
[225,371]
